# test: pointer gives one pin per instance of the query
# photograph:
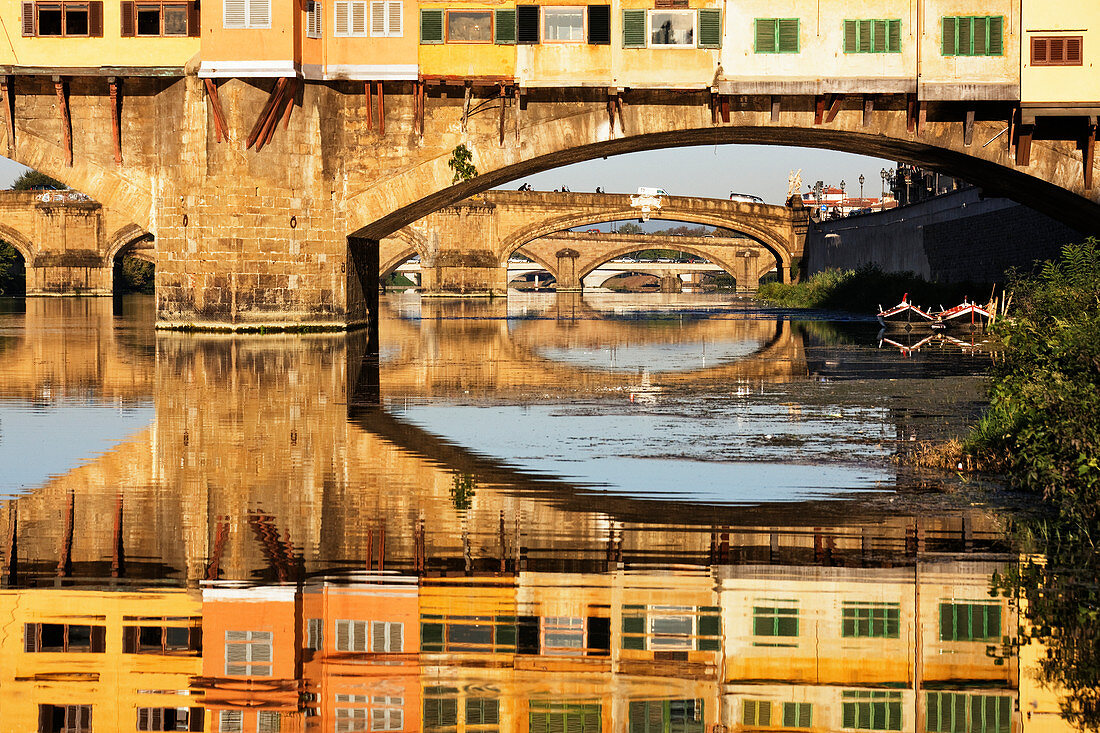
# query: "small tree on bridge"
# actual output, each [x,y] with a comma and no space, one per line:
[461,163]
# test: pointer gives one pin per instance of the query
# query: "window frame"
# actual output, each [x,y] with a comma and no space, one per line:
[851,613]
[775,611]
[562,625]
[387,634]
[32,639]
[545,29]
[692,12]
[777,46]
[970,19]
[867,705]
[351,6]
[387,6]
[1064,61]
[249,23]
[315,19]
[971,606]
[447,13]
[249,643]
[873,35]
[63,6]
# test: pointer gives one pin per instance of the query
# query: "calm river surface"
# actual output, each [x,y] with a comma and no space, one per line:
[646,513]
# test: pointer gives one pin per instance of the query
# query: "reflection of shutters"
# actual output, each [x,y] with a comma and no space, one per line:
[633,29]
[949,46]
[126,9]
[431,637]
[195,719]
[599,25]
[710,28]
[599,636]
[788,35]
[527,24]
[504,27]
[431,26]
[28,19]
[378,637]
[30,637]
[756,713]
[848,715]
[95,19]
[129,633]
[233,13]
[98,641]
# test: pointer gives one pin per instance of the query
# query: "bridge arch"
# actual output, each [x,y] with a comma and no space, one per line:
[402,244]
[615,252]
[128,240]
[20,241]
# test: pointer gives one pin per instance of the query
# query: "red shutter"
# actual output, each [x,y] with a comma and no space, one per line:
[28,19]
[1039,53]
[127,12]
[1056,53]
[95,19]
[193,19]
[1073,50]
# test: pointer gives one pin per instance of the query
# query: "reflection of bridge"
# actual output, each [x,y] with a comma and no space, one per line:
[465,249]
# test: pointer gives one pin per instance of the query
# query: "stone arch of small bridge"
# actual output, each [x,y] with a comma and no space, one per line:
[128,241]
[764,237]
[610,254]
[401,245]
[20,241]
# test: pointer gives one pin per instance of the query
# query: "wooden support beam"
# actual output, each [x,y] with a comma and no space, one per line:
[911,113]
[64,118]
[611,113]
[116,117]
[521,105]
[619,113]
[381,539]
[868,109]
[118,559]
[1088,156]
[370,105]
[834,107]
[265,114]
[221,128]
[221,536]
[421,106]
[267,129]
[968,127]
[370,551]
[503,545]
[725,108]
[922,117]
[713,107]
[503,108]
[819,109]
[381,109]
[775,108]
[65,556]
[466,98]
[7,89]
[1023,144]
[288,101]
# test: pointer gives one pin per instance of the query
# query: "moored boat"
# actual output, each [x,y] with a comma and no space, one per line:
[904,316]
[966,316]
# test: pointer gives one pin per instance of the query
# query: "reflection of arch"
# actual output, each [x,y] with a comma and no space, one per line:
[414,244]
[18,240]
[767,239]
[128,238]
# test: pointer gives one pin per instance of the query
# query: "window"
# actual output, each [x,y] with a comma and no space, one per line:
[246,13]
[387,636]
[957,712]
[350,18]
[671,28]
[672,628]
[668,631]
[981,35]
[230,721]
[469,26]
[562,635]
[385,19]
[315,634]
[797,714]
[440,713]
[482,711]
[351,636]
[169,719]
[431,26]
[314,13]
[64,638]
[468,634]
[162,639]
[1057,50]
[527,24]
[872,36]
[667,716]
[268,721]
[63,19]
[775,621]
[248,653]
[777,35]
[969,622]
[159,19]
[64,718]
[870,620]
[547,717]
[757,713]
[871,710]
[599,25]
[563,24]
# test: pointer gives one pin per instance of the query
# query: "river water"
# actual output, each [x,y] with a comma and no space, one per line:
[648,513]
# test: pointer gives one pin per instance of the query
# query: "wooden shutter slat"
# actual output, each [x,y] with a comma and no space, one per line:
[126,19]
[765,35]
[30,637]
[949,45]
[788,35]
[95,19]
[527,24]
[865,36]
[878,36]
[395,18]
[599,25]
[710,28]
[1073,50]
[504,27]
[28,19]
[431,25]
[996,36]
[850,34]
[894,42]
[378,18]
[981,36]
[633,28]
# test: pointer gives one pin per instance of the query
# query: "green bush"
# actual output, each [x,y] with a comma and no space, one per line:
[1043,423]
[13,278]
[134,276]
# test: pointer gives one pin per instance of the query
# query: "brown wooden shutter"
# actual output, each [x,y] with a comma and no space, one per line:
[30,637]
[99,639]
[45,717]
[193,20]
[95,19]
[195,718]
[129,633]
[194,638]
[1039,52]
[1073,50]
[28,19]
[126,8]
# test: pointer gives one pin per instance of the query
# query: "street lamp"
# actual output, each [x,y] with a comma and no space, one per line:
[882,196]
[861,180]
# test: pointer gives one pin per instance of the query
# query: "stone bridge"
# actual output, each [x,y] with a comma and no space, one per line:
[287,235]
[68,241]
[464,249]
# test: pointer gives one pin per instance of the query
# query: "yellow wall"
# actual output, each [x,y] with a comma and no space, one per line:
[677,68]
[271,51]
[564,63]
[109,681]
[1061,85]
[364,57]
[969,77]
[110,50]
[462,60]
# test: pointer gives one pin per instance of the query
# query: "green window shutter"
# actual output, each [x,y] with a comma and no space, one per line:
[431,26]
[965,27]
[710,626]
[981,36]
[710,28]
[947,622]
[633,624]
[878,36]
[788,35]
[431,637]
[950,44]
[805,714]
[851,36]
[633,29]
[864,36]
[765,35]
[893,43]
[504,636]
[790,714]
[848,715]
[996,35]
[992,622]
[504,27]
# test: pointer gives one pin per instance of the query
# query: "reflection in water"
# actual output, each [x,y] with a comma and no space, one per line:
[292,544]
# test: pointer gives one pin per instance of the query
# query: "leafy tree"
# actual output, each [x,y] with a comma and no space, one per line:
[31,180]
[13,279]
[461,163]
[134,276]
[630,228]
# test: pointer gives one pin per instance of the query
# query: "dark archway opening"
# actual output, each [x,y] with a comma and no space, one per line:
[133,274]
[405,276]
[13,272]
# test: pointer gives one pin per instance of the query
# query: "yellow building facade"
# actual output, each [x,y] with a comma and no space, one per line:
[1059,73]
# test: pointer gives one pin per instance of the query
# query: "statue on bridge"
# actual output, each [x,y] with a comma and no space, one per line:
[794,184]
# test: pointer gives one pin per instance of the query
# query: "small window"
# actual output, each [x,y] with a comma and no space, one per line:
[314,13]
[774,621]
[64,638]
[1057,50]
[482,711]
[268,721]
[387,636]
[63,19]
[756,713]
[672,28]
[350,18]
[870,620]
[385,18]
[351,636]
[315,634]
[871,710]
[469,26]
[563,24]
[64,718]
[981,35]
[248,653]
[797,714]
[872,36]
[246,13]
[562,635]
[970,622]
[169,719]
[574,717]
[668,631]
[599,25]
[230,721]
[776,35]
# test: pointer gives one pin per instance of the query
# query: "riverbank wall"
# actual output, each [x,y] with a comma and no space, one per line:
[960,236]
